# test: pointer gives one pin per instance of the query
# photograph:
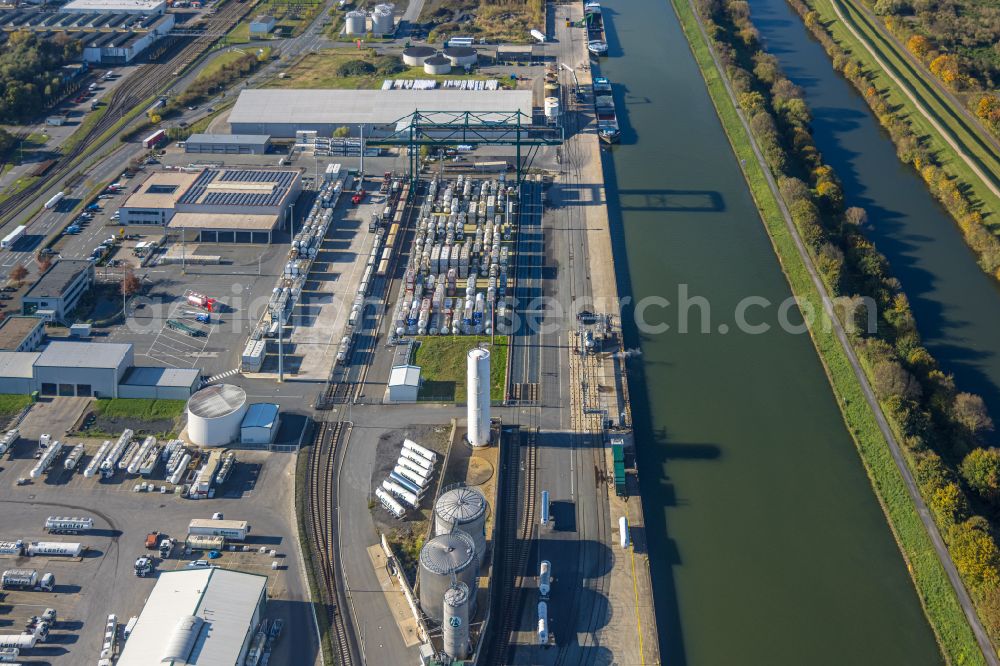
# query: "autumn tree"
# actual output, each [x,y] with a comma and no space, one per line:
[43,261]
[18,273]
[970,412]
[856,216]
[945,67]
[981,470]
[975,552]
[891,379]
[130,283]
[919,46]
[988,111]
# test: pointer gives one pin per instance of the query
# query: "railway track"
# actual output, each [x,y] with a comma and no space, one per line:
[145,82]
[322,529]
[515,533]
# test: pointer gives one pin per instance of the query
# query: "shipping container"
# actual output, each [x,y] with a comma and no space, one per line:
[235,530]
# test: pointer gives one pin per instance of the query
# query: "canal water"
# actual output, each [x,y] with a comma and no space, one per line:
[956,305]
[767,544]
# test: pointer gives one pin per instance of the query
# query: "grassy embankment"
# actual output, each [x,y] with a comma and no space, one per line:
[292,17]
[12,404]
[932,584]
[139,408]
[442,360]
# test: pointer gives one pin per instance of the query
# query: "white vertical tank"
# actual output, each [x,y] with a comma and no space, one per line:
[478,395]
[382,22]
[463,509]
[356,23]
[551,107]
[455,626]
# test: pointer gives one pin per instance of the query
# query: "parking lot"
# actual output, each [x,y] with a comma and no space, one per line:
[102,581]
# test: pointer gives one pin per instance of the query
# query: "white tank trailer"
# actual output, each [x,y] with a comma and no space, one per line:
[178,473]
[8,655]
[73,459]
[463,509]
[114,454]
[95,464]
[391,505]
[19,641]
[544,578]
[402,493]
[12,547]
[406,483]
[46,460]
[414,467]
[411,475]
[543,623]
[68,524]
[54,548]
[8,440]
[478,392]
[23,578]
[455,627]
[140,456]
[544,520]
[410,445]
[413,456]
[444,560]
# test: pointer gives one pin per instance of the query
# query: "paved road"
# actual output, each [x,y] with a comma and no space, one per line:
[911,486]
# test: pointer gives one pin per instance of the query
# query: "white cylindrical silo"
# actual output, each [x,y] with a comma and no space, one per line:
[215,414]
[382,21]
[478,395]
[551,107]
[356,23]
[437,64]
[455,626]
[463,509]
[444,560]
[414,56]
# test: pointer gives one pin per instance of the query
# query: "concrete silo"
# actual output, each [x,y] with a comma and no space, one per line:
[455,627]
[462,56]
[215,414]
[356,23]
[414,56]
[463,509]
[382,21]
[444,560]
[478,392]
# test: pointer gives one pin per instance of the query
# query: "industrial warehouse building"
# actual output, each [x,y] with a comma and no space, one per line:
[92,369]
[21,334]
[57,292]
[198,617]
[215,205]
[230,144]
[142,7]
[282,112]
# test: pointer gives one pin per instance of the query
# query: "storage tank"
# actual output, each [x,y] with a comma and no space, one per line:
[478,392]
[356,23]
[415,56]
[463,509]
[215,414]
[461,56]
[455,626]
[382,22]
[443,558]
[551,108]
[54,548]
[437,64]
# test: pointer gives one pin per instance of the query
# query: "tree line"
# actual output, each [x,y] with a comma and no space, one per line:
[944,431]
[30,79]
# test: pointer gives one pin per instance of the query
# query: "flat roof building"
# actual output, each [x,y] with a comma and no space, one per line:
[260,424]
[281,112]
[21,334]
[160,383]
[144,7]
[230,144]
[17,372]
[217,205]
[197,617]
[82,368]
[404,383]
[57,292]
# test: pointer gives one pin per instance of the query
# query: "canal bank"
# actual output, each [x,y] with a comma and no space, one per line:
[759,513]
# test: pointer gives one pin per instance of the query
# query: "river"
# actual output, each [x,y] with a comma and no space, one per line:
[956,305]
[767,544]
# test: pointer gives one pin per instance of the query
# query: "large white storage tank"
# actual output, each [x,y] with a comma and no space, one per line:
[415,56]
[356,23]
[443,560]
[462,56]
[551,108]
[478,392]
[382,21]
[215,414]
[455,627]
[437,64]
[463,509]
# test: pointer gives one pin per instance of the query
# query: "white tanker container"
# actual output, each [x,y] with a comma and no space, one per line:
[149,463]
[545,578]
[543,623]
[414,467]
[414,472]
[19,641]
[115,454]
[424,463]
[11,547]
[74,457]
[407,484]
[425,452]
[130,452]
[401,492]
[391,505]
[545,508]
[178,473]
[68,524]
[8,655]
[8,440]
[140,456]
[411,475]
[46,460]
[54,548]
[95,463]
[19,578]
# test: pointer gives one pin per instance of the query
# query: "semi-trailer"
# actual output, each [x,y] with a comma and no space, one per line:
[68,524]
[48,456]
[54,548]
[95,464]
[141,454]
[402,493]
[413,456]
[19,641]
[54,201]
[115,454]
[7,441]
[235,530]
[205,542]
[425,452]
[73,459]
[19,578]
[391,505]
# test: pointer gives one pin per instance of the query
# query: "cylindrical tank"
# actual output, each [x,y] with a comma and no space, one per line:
[215,414]
[461,56]
[551,107]
[37,548]
[463,509]
[415,56]
[442,558]
[356,23]
[382,22]
[543,623]
[437,64]
[478,392]
[544,578]
[455,626]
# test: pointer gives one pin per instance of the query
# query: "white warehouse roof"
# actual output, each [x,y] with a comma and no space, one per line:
[281,105]
[405,375]
[100,355]
[149,7]
[223,603]
[261,415]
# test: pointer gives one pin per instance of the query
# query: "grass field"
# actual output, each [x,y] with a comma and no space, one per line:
[139,408]
[319,70]
[442,361]
[933,587]
[292,19]
[968,136]
[12,404]
[216,64]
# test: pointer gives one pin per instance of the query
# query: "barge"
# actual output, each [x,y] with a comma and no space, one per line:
[597,43]
[607,116]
